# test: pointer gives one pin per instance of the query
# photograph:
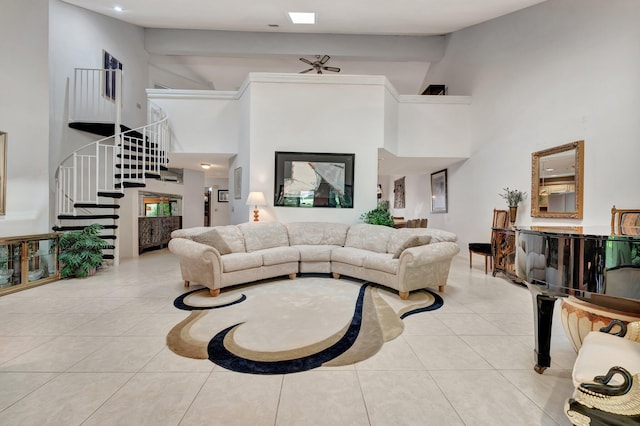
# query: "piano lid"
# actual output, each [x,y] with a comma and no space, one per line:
[586,262]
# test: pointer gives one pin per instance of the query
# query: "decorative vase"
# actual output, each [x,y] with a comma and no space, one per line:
[513,211]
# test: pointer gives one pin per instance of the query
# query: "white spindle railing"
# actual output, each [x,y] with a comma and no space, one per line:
[97,96]
[92,168]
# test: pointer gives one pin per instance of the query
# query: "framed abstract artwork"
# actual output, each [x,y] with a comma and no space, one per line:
[439,192]
[110,64]
[313,179]
[237,183]
[223,195]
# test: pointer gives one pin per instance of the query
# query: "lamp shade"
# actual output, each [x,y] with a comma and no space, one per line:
[256,199]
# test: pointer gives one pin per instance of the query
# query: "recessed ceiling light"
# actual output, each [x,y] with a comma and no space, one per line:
[117,8]
[205,166]
[302,17]
[274,25]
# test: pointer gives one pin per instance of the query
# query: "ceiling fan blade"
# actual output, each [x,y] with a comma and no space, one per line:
[324,59]
[306,71]
[334,69]
[306,61]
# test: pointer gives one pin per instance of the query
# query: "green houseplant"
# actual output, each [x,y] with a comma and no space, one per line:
[513,197]
[81,251]
[378,216]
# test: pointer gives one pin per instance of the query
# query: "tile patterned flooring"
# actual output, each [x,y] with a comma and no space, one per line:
[92,352]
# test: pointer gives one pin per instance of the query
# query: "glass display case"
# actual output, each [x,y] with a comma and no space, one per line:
[27,261]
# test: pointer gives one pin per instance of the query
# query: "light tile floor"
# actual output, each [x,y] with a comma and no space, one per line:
[93,352]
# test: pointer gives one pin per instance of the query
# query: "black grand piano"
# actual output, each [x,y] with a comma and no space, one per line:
[587,263]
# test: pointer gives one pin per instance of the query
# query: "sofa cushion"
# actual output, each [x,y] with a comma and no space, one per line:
[439,236]
[278,255]
[189,232]
[369,237]
[382,262]
[413,241]
[601,351]
[214,239]
[231,235]
[400,236]
[349,255]
[239,261]
[264,235]
[317,233]
[313,253]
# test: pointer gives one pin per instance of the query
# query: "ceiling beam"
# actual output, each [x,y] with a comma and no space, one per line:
[240,44]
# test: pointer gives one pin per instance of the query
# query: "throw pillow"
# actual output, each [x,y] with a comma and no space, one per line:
[415,241]
[214,239]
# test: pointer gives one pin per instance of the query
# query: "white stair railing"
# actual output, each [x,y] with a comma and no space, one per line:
[93,168]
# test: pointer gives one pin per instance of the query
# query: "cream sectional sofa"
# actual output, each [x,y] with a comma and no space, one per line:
[402,259]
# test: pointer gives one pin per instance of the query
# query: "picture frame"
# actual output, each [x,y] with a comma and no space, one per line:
[110,63]
[439,192]
[223,195]
[3,173]
[314,179]
[237,183]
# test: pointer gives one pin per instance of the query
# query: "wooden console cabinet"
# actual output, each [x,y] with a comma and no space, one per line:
[28,261]
[504,253]
[155,232]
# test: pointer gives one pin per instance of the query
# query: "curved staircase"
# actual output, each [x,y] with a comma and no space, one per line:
[91,180]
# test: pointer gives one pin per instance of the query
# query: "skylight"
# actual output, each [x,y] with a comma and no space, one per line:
[302,17]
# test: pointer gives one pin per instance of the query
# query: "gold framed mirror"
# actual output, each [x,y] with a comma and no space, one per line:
[3,173]
[557,181]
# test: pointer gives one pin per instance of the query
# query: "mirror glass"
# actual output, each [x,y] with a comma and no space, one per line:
[557,181]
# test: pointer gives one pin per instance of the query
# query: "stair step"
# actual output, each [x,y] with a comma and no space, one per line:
[147,175]
[96,206]
[109,247]
[88,216]
[130,185]
[139,166]
[101,129]
[79,227]
[107,256]
[136,157]
[110,194]
[138,143]
[145,150]
[107,237]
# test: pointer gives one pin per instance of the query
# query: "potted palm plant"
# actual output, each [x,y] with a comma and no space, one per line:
[81,252]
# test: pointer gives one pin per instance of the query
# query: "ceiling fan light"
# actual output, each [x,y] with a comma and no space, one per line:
[308,18]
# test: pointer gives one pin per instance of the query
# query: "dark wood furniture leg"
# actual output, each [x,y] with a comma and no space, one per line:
[543,318]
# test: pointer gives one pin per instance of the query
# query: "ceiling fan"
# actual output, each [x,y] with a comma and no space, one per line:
[319,65]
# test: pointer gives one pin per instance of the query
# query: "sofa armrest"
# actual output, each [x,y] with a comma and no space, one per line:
[429,253]
[629,331]
[199,263]
[426,266]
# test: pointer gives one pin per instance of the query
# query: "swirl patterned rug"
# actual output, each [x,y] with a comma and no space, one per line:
[287,326]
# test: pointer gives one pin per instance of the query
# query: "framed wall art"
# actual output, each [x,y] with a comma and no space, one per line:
[313,179]
[3,173]
[110,63]
[439,192]
[223,195]
[237,183]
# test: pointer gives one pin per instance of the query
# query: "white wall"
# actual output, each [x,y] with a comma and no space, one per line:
[337,114]
[192,199]
[77,38]
[434,126]
[24,115]
[219,211]
[202,121]
[548,75]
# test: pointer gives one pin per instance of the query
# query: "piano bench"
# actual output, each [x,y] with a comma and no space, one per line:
[606,375]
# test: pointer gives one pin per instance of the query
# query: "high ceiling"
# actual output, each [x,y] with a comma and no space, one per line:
[408,17]
[396,39]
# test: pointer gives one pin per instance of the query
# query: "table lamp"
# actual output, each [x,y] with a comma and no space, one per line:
[256,199]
